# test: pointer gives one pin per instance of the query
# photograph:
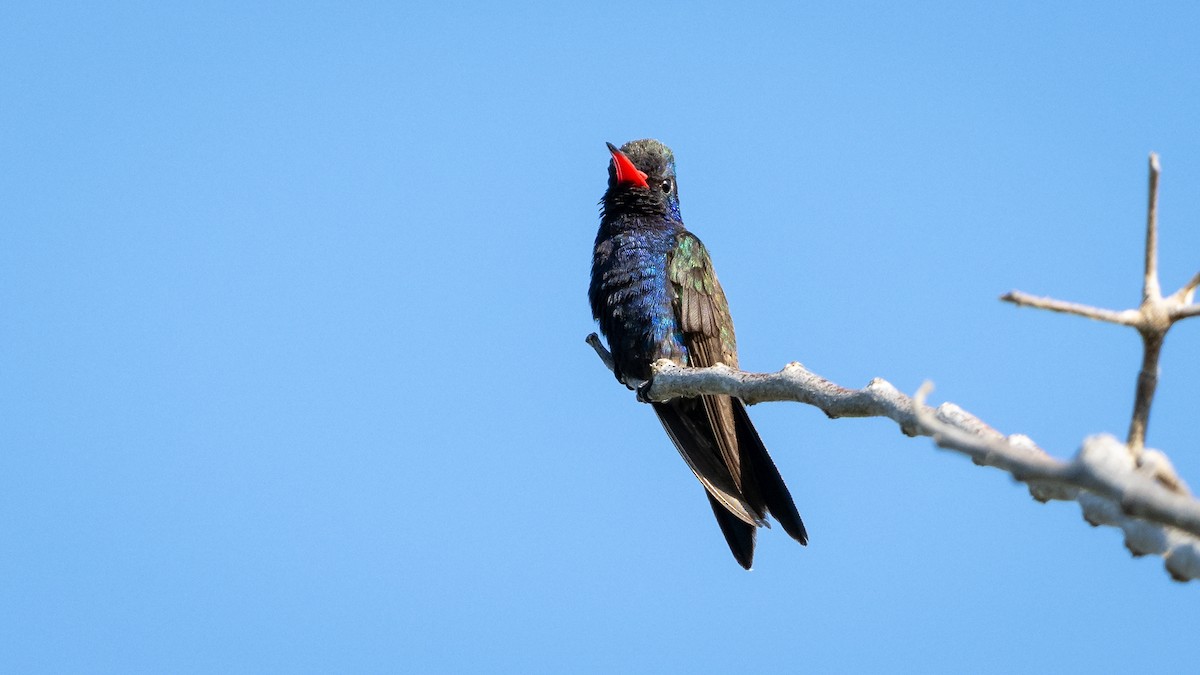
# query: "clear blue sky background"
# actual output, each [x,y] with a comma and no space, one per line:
[293,307]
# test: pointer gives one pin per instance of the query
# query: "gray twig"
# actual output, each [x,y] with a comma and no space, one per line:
[1152,319]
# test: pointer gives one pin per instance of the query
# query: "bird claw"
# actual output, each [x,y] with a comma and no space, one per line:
[643,391]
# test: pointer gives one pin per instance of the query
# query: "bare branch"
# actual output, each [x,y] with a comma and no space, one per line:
[605,356]
[1185,312]
[1151,290]
[1180,304]
[1152,319]
[1146,500]
[1187,294]
[1147,383]
[1129,317]
[1157,516]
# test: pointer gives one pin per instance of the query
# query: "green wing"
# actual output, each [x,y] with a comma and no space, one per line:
[703,315]
[700,305]
[713,433]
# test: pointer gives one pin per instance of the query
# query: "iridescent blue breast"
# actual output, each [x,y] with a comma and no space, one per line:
[633,299]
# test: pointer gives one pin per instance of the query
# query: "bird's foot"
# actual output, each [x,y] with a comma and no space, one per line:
[643,391]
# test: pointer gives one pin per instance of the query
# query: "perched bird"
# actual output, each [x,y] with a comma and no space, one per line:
[656,296]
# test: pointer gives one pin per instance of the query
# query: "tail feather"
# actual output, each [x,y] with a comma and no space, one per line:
[738,534]
[694,440]
[767,481]
[739,503]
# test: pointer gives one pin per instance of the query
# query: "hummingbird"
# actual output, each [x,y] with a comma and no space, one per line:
[655,295]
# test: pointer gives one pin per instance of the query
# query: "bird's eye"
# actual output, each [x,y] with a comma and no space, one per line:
[666,185]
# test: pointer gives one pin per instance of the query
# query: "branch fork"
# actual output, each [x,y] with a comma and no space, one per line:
[1152,319]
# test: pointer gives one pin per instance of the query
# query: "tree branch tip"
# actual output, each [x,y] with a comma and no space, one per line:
[1191,285]
[1186,294]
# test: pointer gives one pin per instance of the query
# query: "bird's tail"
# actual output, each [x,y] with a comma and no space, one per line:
[741,505]
[691,432]
[738,534]
[767,483]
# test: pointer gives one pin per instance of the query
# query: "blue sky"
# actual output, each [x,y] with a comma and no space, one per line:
[294,307]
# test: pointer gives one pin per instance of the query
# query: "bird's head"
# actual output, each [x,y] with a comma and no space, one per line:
[641,179]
